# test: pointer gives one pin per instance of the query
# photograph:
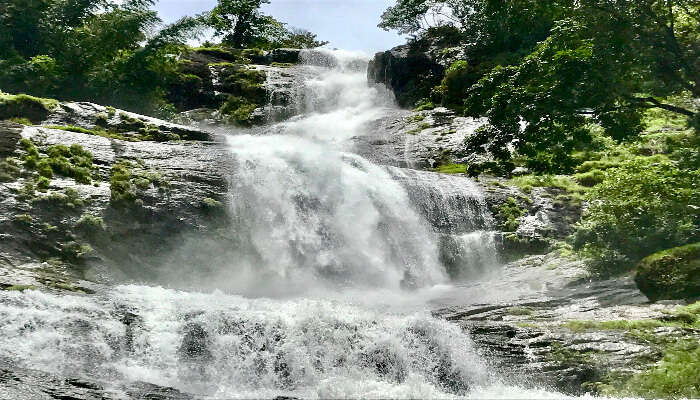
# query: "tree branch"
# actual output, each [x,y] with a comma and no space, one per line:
[644,102]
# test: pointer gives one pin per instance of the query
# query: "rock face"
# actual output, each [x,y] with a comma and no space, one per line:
[407,71]
[57,234]
[262,80]
[412,70]
[543,322]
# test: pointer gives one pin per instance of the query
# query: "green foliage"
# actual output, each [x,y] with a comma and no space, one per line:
[676,376]
[671,274]
[89,223]
[451,168]
[128,180]
[590,178]
[459,77]
[508,214]
[423,105]
[239,109]
[103,51]
[240,24]
[9,169]
[642,207]
[25,107]
[73,162]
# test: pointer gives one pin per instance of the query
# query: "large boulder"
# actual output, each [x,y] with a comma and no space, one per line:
[671,274]
[407,71]
[412,70]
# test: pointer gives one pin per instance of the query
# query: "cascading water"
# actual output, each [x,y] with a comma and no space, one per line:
[324,294]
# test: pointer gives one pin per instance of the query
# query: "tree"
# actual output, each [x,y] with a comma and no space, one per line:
[238,21]
[89,50]
[605,63]
[302,39]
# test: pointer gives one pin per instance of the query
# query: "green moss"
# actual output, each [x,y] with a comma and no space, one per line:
[69,198]
[72,162]
[22,121]
[9,169]
[451,168]
[563,182]
[34,109]
[239,110]
[423,105]
[90,223]
[677,375]
[670,274]
[24,218]
[129,179]
[72,128]
[281,65]
[20,288]
[76,252]
[418,118]
[508,214]
[43,183]
[520,311]
[424,126]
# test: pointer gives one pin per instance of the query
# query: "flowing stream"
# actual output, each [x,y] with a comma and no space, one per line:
[327,295]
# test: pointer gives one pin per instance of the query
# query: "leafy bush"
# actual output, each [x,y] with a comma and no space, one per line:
[508,214]
[670,274]
[642,207]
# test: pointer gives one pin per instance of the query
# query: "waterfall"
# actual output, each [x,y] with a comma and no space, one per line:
[323,293]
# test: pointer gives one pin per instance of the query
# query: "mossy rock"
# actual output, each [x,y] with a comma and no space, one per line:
[671,274]
[32,108]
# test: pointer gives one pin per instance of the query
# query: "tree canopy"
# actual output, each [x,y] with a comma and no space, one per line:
[541,71]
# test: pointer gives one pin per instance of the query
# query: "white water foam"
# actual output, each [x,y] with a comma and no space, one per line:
[327,245]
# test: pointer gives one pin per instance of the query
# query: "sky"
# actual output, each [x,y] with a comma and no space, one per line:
[346,24]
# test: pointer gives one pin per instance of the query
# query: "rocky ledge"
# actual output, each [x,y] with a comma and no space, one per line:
[92,191]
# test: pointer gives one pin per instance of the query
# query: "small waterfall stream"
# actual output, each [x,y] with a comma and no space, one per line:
[327,295]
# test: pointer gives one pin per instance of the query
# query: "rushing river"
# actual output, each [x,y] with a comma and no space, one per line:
[328,294]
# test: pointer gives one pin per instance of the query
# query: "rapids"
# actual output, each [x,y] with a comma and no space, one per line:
[328,292]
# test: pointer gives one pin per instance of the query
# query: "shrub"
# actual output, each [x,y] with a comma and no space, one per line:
[459,77]
[424,104]
[676,376]
[508,214]
[670,274]
[90,224]
[640,208]
[590,178]
[34,109]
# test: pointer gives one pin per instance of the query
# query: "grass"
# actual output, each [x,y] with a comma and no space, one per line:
[451,168]
[520,311]
[563,182]
[681,317]
[140,131]
[22,106]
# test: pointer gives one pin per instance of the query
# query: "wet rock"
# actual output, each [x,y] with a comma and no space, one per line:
[195,346]
[539,322]
[9,136]
[170,181]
